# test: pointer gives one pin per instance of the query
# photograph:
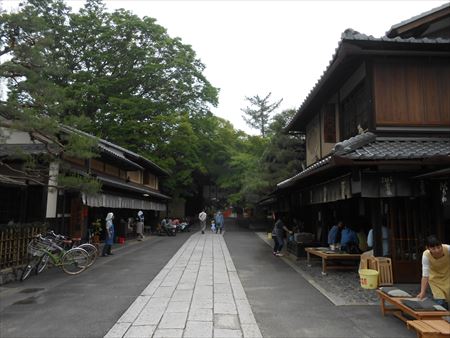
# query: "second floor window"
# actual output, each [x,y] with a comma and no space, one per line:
[354,111]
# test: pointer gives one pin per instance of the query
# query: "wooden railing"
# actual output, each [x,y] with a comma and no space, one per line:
[13,243]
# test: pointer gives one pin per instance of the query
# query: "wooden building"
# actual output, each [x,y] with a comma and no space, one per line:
[129,183]
[377,128]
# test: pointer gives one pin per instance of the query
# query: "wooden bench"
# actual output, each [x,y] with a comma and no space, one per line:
[398,309]
[437,328]
[327,256]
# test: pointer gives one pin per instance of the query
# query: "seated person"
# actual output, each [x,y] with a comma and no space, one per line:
[349,241]
[334,236]
[362,238]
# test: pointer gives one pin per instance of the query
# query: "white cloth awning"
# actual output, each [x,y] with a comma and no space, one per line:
[117,202]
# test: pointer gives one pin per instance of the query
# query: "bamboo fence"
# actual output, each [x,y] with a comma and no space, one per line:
[13,244]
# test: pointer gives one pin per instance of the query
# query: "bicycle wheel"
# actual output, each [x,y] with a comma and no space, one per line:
[91,251]
[74,261]
[42,264]
[32,262]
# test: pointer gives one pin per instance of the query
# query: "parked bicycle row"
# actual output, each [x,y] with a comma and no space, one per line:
[60,251]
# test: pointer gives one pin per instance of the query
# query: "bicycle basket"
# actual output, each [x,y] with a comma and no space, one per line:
[38,247]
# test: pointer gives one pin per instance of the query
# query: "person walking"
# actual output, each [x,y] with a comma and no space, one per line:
[202,218]
[109,235]
[436,271]
[278,234]
[219,222]
[140,225]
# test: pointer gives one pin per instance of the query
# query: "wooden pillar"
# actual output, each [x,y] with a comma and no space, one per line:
[376,218]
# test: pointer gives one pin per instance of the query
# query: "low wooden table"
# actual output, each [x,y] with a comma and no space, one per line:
[437,328]
[397,308]
[327,255]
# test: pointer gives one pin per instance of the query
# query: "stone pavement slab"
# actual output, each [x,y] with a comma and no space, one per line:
[197,294]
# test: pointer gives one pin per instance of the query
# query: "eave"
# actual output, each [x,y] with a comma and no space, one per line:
[424,19]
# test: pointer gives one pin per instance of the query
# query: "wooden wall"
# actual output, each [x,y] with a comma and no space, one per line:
[412,92]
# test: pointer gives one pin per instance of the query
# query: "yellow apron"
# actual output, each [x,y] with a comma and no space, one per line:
[440,275]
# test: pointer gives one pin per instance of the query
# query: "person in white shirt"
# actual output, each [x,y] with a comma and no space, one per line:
[202,218]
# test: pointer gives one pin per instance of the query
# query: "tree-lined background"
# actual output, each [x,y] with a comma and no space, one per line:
[124,79]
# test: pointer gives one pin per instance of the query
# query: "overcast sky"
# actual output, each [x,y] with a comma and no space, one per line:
[256,47]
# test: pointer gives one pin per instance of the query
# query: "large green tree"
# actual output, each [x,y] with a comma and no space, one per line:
[115,75]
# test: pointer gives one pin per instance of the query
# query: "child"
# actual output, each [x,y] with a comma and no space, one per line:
[213,226]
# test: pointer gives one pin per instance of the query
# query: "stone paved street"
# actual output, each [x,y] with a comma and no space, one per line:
[194,285]
[197,294]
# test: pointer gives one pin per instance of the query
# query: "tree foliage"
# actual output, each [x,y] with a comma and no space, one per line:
[261,163]
[285,153]
[257,115]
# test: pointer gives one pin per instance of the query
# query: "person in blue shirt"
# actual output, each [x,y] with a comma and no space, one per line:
[349,240]
[219,222]
[334,235]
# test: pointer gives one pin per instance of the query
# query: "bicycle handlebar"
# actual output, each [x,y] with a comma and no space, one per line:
[53,234]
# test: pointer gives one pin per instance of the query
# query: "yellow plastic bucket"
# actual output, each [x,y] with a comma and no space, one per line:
[368,278]
[269,235]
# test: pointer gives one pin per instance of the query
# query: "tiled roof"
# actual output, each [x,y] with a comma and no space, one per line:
[368,147]
[350,34]
[307,171]
[120,152]
[119,155]
[130,186]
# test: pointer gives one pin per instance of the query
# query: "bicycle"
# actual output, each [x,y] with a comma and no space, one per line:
[43,250]
[65,243]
